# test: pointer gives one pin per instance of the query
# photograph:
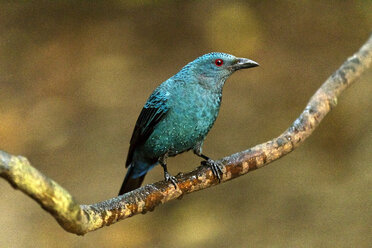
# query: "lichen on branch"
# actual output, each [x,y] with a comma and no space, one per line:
[80,219]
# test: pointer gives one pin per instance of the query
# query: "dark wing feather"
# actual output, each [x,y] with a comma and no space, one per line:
[154,110]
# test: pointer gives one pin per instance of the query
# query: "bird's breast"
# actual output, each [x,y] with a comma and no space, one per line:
[191,115]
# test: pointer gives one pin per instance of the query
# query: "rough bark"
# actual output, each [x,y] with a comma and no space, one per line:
[80,219]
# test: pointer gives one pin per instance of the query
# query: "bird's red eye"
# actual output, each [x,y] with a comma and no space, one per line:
[218,62]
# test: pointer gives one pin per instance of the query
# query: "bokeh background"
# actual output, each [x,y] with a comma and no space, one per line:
[74,76]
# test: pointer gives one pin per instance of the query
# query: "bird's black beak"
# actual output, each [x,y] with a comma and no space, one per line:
[243,63]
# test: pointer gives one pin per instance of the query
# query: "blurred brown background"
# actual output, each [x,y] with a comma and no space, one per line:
[74,76]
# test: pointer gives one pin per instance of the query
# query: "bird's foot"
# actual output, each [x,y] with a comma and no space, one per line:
[215,167]
[168,177]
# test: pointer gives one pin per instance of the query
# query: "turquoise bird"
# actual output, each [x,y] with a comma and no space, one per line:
[178,116]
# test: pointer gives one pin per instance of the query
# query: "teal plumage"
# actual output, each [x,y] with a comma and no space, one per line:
[178,115]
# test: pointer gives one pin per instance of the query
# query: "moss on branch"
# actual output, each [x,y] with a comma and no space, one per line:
[80,219]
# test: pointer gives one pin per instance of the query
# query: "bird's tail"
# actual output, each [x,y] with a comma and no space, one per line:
[131,183]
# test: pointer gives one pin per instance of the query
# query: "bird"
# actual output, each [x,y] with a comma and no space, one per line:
[178,116]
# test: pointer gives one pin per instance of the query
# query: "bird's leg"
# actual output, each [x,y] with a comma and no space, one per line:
[215,166]
[168,177]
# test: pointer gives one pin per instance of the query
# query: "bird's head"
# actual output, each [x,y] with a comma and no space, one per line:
[215,68]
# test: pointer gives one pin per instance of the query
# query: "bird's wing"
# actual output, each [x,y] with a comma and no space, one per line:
[154,110]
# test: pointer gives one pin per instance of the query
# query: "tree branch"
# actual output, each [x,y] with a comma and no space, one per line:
[80,219]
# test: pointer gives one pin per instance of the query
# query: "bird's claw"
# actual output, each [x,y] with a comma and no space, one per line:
[168,177]
[215,167]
